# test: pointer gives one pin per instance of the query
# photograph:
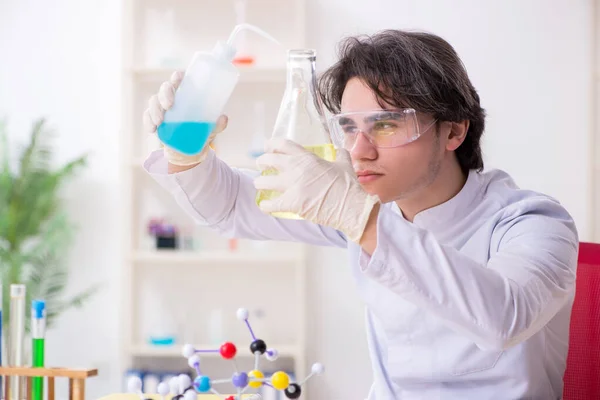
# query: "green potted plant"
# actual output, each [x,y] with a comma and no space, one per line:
[35,231]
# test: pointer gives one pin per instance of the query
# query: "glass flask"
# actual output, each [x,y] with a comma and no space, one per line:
[300,116]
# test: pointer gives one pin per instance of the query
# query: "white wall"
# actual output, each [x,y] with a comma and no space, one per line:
[530,61]
[60,60]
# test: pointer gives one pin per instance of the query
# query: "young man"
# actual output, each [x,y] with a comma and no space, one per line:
[468,280]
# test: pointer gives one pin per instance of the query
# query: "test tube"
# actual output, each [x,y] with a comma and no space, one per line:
[38,333]
[16,337]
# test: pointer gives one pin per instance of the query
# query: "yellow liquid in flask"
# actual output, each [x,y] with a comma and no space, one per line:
[325,151]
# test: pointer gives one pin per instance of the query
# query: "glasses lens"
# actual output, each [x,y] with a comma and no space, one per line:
[385,128]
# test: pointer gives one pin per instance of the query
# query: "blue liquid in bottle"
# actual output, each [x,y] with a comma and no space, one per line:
[185,137]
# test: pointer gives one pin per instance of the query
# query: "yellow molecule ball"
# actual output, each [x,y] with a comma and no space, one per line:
[255,374]
[280,380]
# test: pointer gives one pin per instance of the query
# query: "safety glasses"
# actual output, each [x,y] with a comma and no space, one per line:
[382,128]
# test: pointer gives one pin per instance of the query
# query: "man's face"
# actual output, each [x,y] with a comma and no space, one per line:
[391,173]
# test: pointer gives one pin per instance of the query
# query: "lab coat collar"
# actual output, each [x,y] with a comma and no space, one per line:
[455,208]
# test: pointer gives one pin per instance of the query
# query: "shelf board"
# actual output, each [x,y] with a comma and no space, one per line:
[183,257]
[146,350]
[247,74]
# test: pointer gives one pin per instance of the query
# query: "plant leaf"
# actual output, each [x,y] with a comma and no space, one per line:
[35,231]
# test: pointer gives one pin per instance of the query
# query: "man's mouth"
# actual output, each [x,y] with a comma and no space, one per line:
[367,176]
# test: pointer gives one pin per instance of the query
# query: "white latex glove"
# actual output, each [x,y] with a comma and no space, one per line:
[323,192]
[154,115]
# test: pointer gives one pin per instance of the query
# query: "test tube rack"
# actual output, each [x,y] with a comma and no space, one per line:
[77,379]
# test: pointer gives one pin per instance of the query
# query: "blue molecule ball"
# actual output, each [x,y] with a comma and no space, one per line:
[240,379]
[202,383]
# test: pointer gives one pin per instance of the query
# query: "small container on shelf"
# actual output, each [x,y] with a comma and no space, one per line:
[162,49]
[166,241]
[257,145]
[187,240]
[215,331]
[232,244]
[165,234]
[162,328]
[162,340]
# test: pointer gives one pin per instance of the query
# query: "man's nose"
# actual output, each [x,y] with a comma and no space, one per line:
[363,149]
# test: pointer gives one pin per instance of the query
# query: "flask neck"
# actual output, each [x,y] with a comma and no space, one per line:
[301,68]
[300,115]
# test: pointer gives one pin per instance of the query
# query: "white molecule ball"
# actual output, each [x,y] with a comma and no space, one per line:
[317,368]
[242,314]
[190,395]
[174,385]
[255,397]
[163,389]
[184,382]
[271,354]
[134,384]
[193,361]
[188,350]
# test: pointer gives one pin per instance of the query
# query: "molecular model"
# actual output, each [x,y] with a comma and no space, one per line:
[179,388]
[183,388]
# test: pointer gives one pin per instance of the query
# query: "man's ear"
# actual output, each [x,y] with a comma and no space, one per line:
[457,134]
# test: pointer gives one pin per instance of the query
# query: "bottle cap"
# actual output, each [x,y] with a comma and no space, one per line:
[17,290]
[224,51]
[38,307]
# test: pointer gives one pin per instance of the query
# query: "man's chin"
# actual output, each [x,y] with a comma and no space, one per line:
[384,194]
[375,189]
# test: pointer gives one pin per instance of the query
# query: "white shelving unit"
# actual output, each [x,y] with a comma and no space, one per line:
[211,258]
[182,288]
[154,351]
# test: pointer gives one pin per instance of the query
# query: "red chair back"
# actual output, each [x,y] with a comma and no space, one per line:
[582,375]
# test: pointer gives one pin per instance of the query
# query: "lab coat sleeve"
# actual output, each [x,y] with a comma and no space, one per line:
[223,198]
[498,304]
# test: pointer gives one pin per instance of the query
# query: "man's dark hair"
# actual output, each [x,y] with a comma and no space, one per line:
[411,69]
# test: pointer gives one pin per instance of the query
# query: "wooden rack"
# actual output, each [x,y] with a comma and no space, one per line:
[77,379]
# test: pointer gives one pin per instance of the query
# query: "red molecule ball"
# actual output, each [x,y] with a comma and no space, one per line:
[230,398]
[228,350]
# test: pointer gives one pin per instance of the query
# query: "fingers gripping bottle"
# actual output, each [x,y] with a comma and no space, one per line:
[200,98]
[300,116]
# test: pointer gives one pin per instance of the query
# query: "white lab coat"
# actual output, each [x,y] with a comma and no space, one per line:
[471,300]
